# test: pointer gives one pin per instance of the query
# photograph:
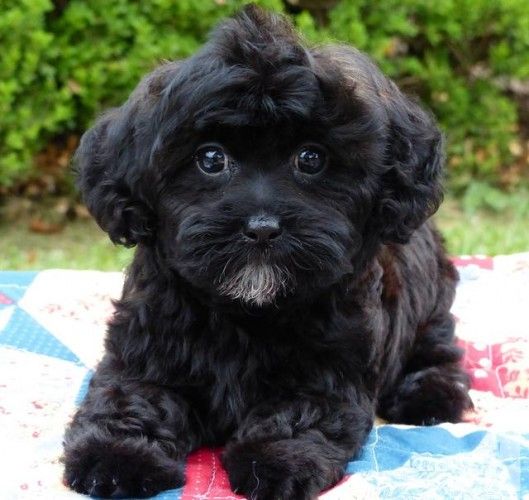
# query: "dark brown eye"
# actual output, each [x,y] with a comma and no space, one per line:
[211,159]
[310,160]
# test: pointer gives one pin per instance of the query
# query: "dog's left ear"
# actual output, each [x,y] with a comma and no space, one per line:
[414,157]
[112,164]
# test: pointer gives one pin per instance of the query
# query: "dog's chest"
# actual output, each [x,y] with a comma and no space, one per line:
[245,368]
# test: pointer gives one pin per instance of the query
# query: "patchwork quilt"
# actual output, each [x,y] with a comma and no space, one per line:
[52,325]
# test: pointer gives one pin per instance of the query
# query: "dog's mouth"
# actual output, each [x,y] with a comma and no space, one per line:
[257,283]
[311,254]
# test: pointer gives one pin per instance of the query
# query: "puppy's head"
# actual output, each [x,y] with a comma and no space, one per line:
[260,169]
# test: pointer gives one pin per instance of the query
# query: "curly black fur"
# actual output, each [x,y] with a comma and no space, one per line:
[356,318]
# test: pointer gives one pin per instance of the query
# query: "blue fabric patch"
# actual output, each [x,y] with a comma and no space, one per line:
[170,494]
[516,458]
[84,388]
[23,332]
[23,278]
[14,284]
[389,447]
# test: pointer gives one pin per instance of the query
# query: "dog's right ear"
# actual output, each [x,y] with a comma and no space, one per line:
[112,164]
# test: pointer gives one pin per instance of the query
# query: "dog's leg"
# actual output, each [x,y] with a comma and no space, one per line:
[128,438]
[433,387]
[294,450]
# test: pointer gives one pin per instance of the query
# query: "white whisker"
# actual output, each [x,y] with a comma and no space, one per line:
[258,284]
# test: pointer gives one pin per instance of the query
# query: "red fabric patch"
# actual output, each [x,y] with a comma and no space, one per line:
[482,262]
[502,369]
[206,478]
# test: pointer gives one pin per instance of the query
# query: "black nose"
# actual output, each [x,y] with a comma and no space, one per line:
[262,228]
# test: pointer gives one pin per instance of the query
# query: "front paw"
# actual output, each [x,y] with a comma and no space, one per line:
[101,465]
[287,469]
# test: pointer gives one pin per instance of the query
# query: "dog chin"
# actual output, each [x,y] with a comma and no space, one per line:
[257,284]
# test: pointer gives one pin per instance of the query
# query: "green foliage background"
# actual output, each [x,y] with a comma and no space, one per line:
[62,62]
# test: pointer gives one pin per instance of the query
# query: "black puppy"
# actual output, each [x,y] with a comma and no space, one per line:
[285,286]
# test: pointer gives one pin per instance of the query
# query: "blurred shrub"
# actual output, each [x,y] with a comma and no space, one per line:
[64,61]
[104,48]
[33,102]
[462,58]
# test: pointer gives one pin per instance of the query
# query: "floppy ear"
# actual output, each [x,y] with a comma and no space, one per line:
[112,163]
[412,182]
